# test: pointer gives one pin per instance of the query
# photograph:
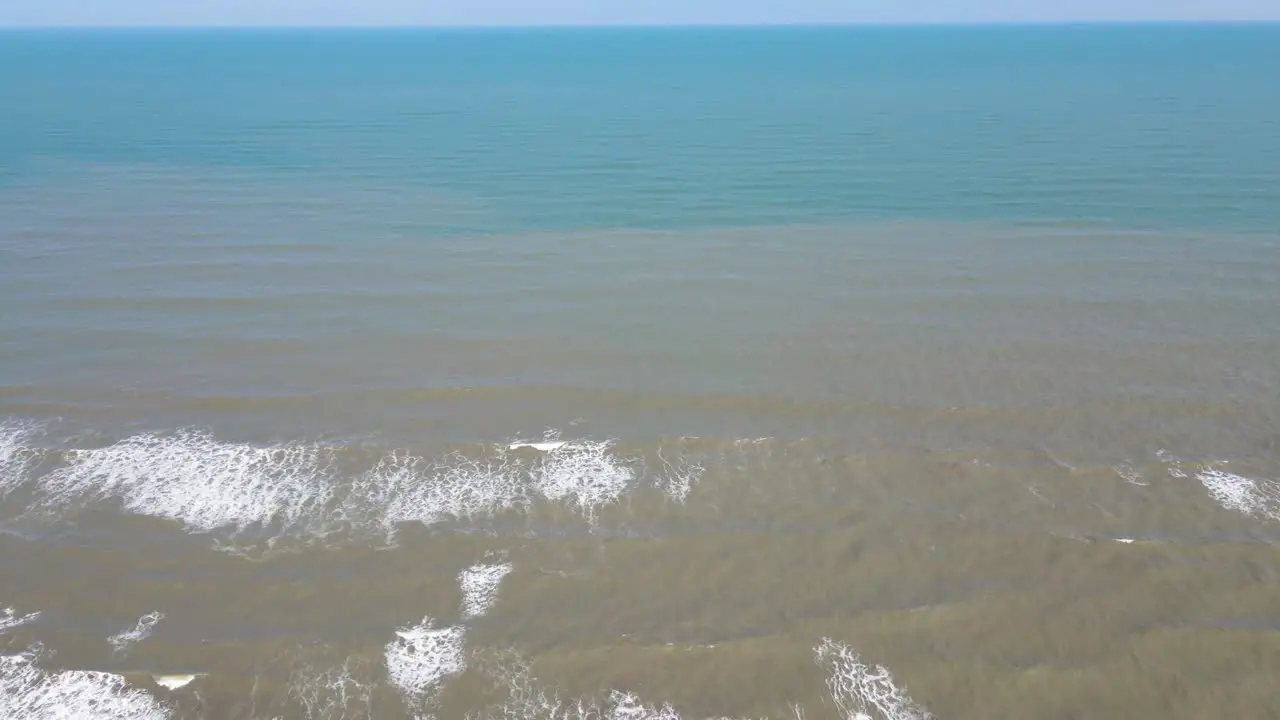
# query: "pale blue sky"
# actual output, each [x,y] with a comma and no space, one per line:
[609,12]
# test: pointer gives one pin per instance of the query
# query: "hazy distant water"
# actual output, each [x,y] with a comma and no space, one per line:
[885,336]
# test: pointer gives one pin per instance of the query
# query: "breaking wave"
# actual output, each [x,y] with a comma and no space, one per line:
[17,455]
[480,588]
[193,479]
[1258,498]
[28,692]
[421,658]
[10,619]
[306,490]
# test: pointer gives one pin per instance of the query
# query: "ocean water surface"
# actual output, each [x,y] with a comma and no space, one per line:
[640,374]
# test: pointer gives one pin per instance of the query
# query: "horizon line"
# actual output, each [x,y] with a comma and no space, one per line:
[657,26]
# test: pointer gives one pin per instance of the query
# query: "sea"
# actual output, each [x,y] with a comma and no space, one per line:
[825,373]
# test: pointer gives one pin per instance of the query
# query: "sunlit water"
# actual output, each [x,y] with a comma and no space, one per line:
[640,374]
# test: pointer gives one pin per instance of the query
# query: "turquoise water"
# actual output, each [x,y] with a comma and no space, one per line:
[1159,127]
[954,346]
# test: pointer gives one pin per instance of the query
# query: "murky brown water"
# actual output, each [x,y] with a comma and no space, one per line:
[989,583]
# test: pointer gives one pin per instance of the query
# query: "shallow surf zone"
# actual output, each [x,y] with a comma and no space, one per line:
[417,669]
[424,661]
[857,691]
[255,495]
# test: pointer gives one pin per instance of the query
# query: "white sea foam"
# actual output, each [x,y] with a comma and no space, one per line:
[480,588]
[337,693]
[204,484]
[16,454]
[1259,498]
[862,691]
[294,489]
[10,619]
[121,642]
[525,699]
[28,692]
[583,474]
[678,477]
[421,658]
[405,488]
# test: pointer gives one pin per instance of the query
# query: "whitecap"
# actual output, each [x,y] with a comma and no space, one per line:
[1259,498]
[10,619]
[405,488]
[194,479]
[16,454]
[862,691]
[584,474]
[421,658]
[480,588]
[121,642]
[263,493]
[28,692]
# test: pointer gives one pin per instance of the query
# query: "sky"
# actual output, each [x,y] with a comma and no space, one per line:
[614,12]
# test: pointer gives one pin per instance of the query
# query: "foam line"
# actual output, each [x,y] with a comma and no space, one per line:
[295,490]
